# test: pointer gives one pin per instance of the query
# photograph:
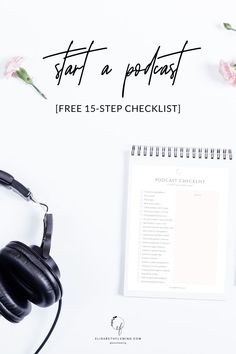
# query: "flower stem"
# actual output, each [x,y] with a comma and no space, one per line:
[36,88]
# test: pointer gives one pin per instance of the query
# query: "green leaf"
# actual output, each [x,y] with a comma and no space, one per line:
[227,26]
[23,75]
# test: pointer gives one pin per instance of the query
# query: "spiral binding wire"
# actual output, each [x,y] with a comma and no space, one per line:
[182,152]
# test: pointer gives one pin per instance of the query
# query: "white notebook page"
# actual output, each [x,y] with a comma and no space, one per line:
[177,228]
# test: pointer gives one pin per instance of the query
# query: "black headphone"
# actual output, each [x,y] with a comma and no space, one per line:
[27,273]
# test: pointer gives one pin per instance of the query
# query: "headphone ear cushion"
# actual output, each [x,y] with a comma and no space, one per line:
[26,269]
[13,305]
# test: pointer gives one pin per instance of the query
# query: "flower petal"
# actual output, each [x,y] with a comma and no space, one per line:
[12,65]
[228,72]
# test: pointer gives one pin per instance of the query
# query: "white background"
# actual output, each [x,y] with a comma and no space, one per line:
[76,162]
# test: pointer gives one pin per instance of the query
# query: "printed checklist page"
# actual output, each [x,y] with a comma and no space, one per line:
[177,231]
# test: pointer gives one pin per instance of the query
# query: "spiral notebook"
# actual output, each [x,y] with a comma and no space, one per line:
[176,242]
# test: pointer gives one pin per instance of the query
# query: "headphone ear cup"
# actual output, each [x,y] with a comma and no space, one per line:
[48,261]
[34,278]
[13,305]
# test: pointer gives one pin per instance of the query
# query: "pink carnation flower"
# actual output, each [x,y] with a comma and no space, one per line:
[12,65]
[228,72]
[13,69]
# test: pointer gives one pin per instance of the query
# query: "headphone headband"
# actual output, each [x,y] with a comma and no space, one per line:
[47,235]
[8,180]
